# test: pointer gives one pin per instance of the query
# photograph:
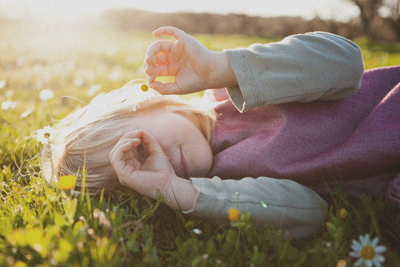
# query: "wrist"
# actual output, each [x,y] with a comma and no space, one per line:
[179,194]
[222,74]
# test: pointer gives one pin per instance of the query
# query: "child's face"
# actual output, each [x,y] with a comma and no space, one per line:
[181,139]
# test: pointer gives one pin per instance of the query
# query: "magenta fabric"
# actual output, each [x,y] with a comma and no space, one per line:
[353,142]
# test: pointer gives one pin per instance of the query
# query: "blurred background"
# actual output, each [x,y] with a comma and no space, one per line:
[81,48]
[351,18]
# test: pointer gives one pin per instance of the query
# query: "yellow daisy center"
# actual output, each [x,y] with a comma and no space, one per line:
[47,135]
[368,252]
[144,87]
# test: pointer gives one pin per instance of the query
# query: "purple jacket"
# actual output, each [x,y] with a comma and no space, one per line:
[352,142]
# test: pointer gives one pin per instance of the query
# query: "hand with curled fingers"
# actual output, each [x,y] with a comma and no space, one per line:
[141,164]
[138,159]
[194,66]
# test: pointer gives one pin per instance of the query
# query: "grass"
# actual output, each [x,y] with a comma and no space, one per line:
[41,226]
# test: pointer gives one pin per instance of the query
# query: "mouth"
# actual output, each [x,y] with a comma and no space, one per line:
[185,167]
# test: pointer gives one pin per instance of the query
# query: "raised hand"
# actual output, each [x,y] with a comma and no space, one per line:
[141,164]
[194,67]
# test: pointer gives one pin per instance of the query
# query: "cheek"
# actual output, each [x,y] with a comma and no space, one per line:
[202,159]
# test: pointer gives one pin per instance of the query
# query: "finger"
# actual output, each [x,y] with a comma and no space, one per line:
[117,158]
[169,30]
[169,88]
[161,46]
[165,70]
[130,136]
[161,58]
[148,69]
[133,137]
[130,159]
[151,143]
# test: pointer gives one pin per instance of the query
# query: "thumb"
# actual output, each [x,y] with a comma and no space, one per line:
[168,88]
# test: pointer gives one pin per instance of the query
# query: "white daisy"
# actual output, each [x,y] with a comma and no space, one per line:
[79,82]
[2,84]
[45,135]
[368,252]
[9,93]
[8,104]
[26,113]
[46,94]
[197,231]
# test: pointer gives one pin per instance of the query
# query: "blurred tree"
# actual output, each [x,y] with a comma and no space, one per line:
[391,14]
[368,12]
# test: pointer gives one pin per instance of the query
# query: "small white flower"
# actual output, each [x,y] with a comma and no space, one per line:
[2,84]
[26,113]
[368,252]
[8,104]
[93,90]
[45,135]
[197,231]
[46,94]
[9,93]
[78,82]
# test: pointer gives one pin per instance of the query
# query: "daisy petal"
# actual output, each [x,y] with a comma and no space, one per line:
[355,254]
[380,249]
[379,259]
[367,240]
[375,242]
[356,246]
[368,263]
[359,262]
[377,263]
[362,240]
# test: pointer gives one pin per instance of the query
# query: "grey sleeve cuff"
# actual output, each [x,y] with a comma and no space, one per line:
[283,204]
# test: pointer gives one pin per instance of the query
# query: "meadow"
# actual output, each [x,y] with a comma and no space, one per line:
[43,226]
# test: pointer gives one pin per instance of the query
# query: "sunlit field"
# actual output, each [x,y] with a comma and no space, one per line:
[43,226]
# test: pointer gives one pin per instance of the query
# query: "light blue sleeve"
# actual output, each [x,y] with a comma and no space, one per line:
[293,208]
[300,68]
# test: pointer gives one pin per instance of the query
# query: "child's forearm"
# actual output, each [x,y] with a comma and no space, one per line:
[284,204]
[180,194]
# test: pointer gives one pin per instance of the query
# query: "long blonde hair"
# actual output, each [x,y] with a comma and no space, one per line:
[98,126]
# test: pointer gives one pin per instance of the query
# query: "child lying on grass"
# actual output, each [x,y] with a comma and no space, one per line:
[306,129]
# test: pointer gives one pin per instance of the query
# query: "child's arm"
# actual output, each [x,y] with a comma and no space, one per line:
[284,204]
[302,67]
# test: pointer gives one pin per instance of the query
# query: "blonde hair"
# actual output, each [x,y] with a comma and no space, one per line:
[99,126]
